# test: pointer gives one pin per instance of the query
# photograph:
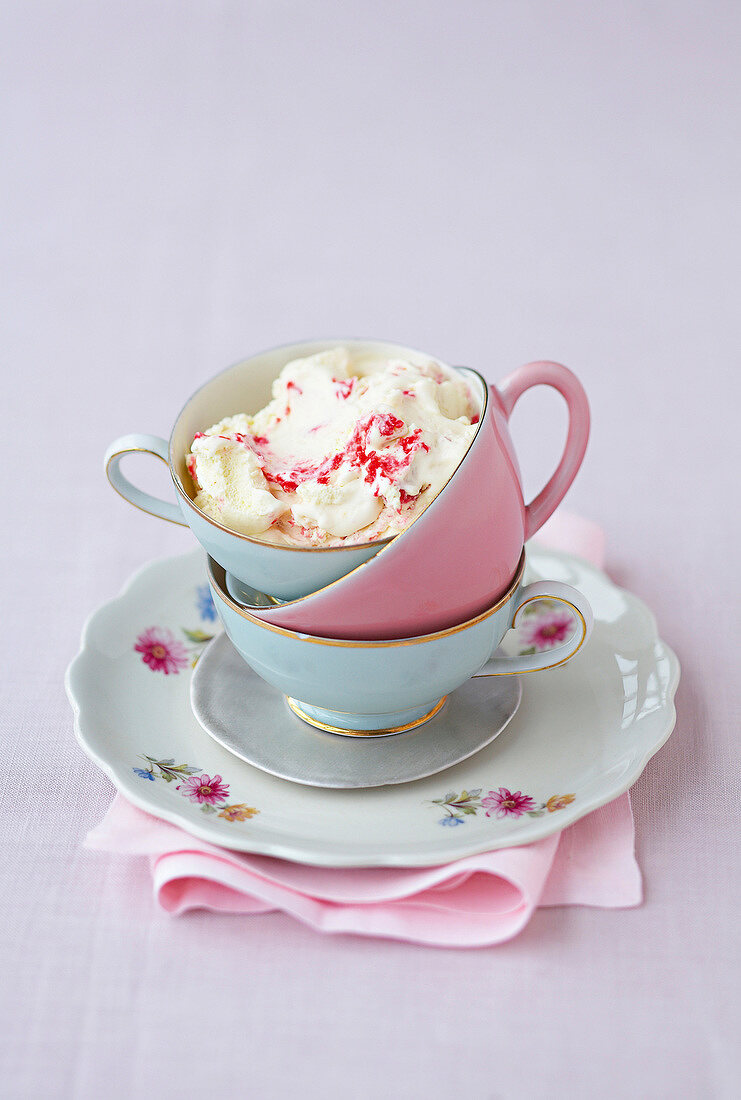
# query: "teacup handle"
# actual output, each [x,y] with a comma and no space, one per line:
[546,373]
[501,665]
[133,444]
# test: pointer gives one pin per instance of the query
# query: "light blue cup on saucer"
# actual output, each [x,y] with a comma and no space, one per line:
[286,572]
[384,687]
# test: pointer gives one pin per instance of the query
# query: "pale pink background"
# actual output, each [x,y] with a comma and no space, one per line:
[184,183]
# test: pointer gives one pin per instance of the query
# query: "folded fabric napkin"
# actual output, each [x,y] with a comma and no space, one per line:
[480,900]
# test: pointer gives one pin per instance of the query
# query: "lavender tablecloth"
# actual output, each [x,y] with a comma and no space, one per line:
[183,183]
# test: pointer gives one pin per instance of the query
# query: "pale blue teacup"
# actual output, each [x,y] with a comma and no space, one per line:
[384,687]
[286,572]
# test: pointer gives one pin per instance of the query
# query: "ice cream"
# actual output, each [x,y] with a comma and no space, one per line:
[350,449]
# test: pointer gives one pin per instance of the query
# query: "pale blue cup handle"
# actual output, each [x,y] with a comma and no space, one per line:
[501,665]
[137,444]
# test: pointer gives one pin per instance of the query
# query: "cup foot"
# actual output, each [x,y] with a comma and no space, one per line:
[365,725]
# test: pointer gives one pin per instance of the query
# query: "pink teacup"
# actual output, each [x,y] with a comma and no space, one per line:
[459,556]
[450,564]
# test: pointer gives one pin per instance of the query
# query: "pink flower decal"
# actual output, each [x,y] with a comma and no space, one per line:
[501,803]
[504,803]
[548,630]
[161,651]
[204,789]
[208,792]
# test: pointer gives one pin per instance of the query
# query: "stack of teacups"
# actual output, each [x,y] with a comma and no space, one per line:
[371,638]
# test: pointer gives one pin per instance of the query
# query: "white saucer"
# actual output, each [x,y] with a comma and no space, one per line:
[249,717]
[582,735]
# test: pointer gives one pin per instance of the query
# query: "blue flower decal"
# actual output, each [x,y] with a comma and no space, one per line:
[143,773]
[451,820]
[205,603]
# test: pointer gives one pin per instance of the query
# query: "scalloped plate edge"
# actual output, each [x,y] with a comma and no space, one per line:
[289,851]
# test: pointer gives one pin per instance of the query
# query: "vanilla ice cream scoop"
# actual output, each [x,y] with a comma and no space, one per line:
[350,449]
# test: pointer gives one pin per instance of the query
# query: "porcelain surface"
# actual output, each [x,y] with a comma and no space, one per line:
[402,587]
[381,686]
[479,521]
[582,735]
[236,707]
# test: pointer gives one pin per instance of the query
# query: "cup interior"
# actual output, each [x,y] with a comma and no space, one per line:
[247,387]
[249,597]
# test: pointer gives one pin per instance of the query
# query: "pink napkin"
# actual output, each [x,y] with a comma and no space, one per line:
[472,902]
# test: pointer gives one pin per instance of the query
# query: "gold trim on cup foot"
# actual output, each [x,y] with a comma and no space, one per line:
[343,731]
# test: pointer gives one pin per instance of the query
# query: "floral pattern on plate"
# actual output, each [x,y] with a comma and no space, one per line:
[205,603]
[500,803]
[162,651]
[209,792]
[122,709]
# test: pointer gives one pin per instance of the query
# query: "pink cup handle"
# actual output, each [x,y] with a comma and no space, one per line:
[560,378]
